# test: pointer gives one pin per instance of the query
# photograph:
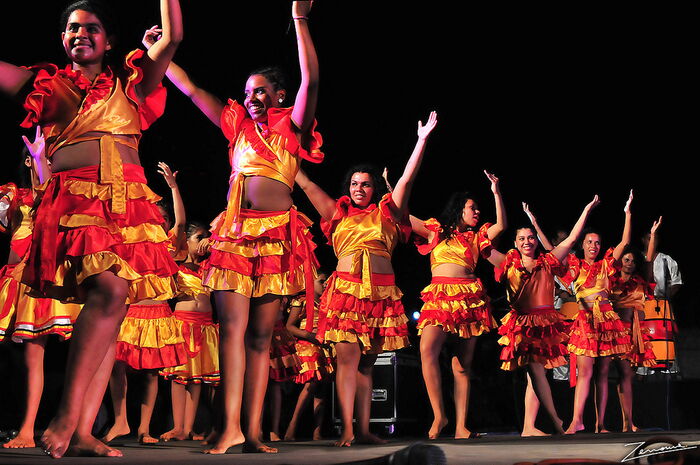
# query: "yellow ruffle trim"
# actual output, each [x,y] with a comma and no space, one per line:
[524,360]
[373,346]
[277,284]
[354,289]
[152,333]
[91,190]
[204,367]
[473,287]
[465,330]
[145,232]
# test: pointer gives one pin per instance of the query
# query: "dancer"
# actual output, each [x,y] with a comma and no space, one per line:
[22,317]
[533,332]
[361,308]
[194,310]
[456,308]
[316,362]
[104,259]
[149,338]
[266,146]
[597,333]
[630,289]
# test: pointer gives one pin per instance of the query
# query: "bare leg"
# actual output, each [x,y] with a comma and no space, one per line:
[319,408]
[148,403]
[537,378]
[95,330]
[348,360]
[117,390]
[83,443]
[461,368]
[178,397]
[532,405]
[191,403]
[601,392]
[431,342]
[363,400]
[274,392]
[264,313]
[304,396]
[34,361]
[624,392]
[233,319]
[583,385]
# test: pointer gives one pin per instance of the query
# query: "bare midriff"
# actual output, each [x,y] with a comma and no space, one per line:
[87,153]
[189,304]
[626,314]
[378,263]
[265,194]
[452,270]
[150,302]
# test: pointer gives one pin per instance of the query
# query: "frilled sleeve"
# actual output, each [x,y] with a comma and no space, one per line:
[36,99]
[571,269]
[8,204]
[404,224]
[512,258]
[483,241]
[232,118]
[341,211]
[280,121]
[177,245]
[554,264]
[424,246]
[153,105]
[612,265]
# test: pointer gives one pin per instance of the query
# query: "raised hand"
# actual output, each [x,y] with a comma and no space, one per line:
[301,9]
[36,148]
[594,203]
[424,131]
[385,175]
[629,202]
[494,182]
[530,215]
[151,36]
[168,175]
[655,226]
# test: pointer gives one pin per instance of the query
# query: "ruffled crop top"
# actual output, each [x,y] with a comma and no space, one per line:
[300,302]
[631,293]
[461,248]
[589,279]
[529,290]
[189,283]
[15,217]
[272,151]
[71,109]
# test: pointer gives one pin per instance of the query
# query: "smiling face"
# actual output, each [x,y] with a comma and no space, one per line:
[591,246]
[629,264]
[260,96]
[526,242]
[470,214]
[85,39]
[361,189]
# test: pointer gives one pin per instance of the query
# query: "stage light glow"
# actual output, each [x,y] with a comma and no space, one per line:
[416,315]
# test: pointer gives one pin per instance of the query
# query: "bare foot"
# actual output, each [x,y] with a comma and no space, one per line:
[196,437]
[601,429]
[369,438]
[317,435]
[574,428]
[90,446]
[464,433]
[436,428]
[211,438]
[225,441]
[289,437]
[56,438]
[145,438]
[258,447]
[173,435]
[21,441]
[625,429]
[345,440]
[533,432]
[274,437]
[116,431]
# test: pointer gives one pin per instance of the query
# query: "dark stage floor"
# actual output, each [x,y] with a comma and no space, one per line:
[489,449]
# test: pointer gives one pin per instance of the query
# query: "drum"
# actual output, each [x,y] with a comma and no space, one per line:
[569,310]
[659,320]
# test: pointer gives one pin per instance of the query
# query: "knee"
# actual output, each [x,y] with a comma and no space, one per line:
[258,340]
[109,296]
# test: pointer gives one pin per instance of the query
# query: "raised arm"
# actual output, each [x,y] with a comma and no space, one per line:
[403,187]
[208,103]
[12,78]
[627,231]
[307,96]
[651,250]
[180,219]
[38,153]
[324,204]
[564,247]
[156,61]
[418,227]
[501,222]
[540,234]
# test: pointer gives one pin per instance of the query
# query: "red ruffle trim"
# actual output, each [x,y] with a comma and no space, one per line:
[535,337]
[424,247]
[234,119]
[575,265]
[340,303]
[153,105]
[598,339]
[514,259]
[151,358]
[631,285]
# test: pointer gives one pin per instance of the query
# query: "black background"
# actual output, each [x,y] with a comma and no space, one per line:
[560,103]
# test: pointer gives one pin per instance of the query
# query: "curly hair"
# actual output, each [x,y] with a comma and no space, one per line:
[451,216]
[379,185]
[639,260]
[193,226]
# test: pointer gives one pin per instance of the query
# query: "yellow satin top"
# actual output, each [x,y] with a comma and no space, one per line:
[631,293]
[300,302]
[189,283]
[461,248]
[529,290]
[589,279]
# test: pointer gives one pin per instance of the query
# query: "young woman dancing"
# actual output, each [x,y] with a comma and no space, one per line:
[597,333]
[361,310]
[97,236]
[456,308]
[533,333]
[260,247]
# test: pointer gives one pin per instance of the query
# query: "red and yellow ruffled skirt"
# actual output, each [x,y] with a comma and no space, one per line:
[459,305]
[77,234]
[271,253]
[598,333]
[642,352]
[537,335]
[25,317]
[377,325]
[151,338]
[284,362]
[316,362]
[201,336]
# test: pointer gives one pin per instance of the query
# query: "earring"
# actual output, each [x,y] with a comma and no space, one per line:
[281,100]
